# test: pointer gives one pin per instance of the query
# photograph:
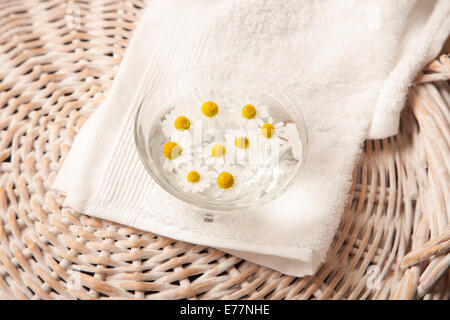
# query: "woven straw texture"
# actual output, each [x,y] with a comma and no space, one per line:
[57,61]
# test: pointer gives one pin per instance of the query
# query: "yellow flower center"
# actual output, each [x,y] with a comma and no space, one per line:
[172,150]
[210,109]
[182,123]
[242,142]
[218,150]
[225,180]
[266,130]
[193,176]
[248,111]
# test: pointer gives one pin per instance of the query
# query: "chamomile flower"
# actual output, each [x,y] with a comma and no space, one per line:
[214,154]
[180,119]
[228,184]
[247,116]
[177,151]
[210,110]
[194,178]
[238,142]
[272,132]
[207,107]
[228,130]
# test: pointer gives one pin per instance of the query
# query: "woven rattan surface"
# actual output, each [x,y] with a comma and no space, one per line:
[57,61]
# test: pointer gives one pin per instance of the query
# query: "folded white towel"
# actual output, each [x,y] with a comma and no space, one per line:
[347,64]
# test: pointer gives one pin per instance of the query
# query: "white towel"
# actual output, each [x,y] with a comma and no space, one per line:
[347,64]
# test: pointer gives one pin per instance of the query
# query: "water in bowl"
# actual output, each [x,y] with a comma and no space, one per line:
[225,147]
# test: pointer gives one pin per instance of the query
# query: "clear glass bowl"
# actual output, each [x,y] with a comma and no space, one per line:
[261,168]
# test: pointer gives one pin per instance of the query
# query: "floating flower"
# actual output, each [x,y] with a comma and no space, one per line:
[247,116]
[206,99]
[172,150]
[212,115]
[271,132]
[240,146]
[194,178]
[238,141]
[213,111]
[177,151]
[179,120]
[227,182]
[210,109]
[214,154]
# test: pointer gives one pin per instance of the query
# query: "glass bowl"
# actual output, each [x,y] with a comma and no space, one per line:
[220,139]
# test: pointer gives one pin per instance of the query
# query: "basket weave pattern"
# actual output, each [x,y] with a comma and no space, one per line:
[57,61]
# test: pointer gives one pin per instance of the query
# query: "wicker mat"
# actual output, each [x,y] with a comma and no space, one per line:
[58,59]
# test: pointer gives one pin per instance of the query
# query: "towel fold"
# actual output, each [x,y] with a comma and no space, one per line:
[346,64]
